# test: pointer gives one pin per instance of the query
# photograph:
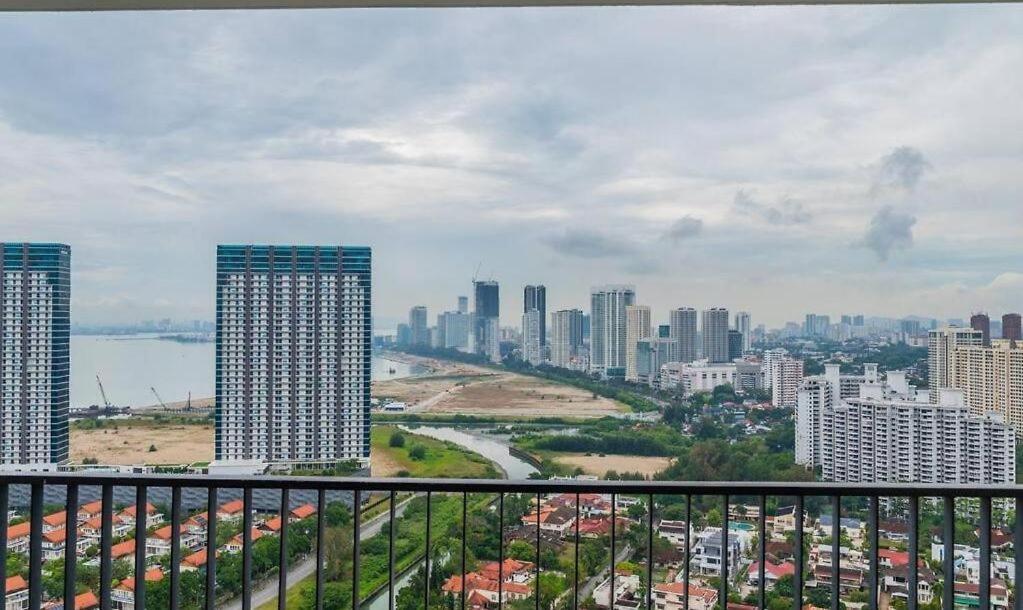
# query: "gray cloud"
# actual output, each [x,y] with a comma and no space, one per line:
[787,211]
[900,169]
[684,228]
[889,230]
[588,244]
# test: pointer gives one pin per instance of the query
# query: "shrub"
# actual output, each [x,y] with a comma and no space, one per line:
[397,439]
[417,452]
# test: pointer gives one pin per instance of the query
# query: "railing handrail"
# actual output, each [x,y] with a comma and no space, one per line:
[734,488]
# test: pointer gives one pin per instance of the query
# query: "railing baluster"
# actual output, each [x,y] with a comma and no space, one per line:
[247,548]
[106,536]
[35,555]
[4,506]
[1017,550]
[650,553]
[575,571]
[426,553]
[282,575]
[914,552]
[985,553]
[614,525]
[689,546]
[874,540]
[211,549]
[949,565]
[356,544]
[797,584]
[762,532]
[500,552]
[836,548]
[465,534]
[537,567]
[724,552]
[321,535]
[175,555]
[390,553]
[70,543]
[141,519]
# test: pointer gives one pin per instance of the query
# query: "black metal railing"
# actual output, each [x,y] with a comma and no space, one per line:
[363,496]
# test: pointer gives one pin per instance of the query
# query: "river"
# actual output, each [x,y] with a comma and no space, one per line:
[131,365]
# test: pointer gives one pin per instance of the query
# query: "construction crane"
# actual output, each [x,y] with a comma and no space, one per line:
[162,404]
[102,392]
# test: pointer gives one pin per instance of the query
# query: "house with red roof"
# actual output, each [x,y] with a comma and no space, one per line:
[89,510]
[55,521]
[158,543]
[483,593]
[194,561]
[557,520]
[17,537]
[231,511]
[128,515]
[235,544]
[511,570]
[671,596]
[303,512]
[772,572]
[123,595]
[16,593]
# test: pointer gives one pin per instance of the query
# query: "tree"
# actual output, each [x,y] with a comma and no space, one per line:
[337,514]
[397,439]
[417,452]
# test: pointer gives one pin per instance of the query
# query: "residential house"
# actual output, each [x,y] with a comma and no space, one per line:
[303,512]
[122,597]
[895,582]
[707,553]
[772,572]
[967,595]
[17,537]
[625,586]
[89,510]
[194,561]
[235,544]
[128,515]
[674,532]
[16,594]
[482,593]
[512,570]
[671,596]
[552,519]
[231,511]
[55,521]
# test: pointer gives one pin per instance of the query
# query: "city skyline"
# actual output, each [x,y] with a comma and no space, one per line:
[855,162]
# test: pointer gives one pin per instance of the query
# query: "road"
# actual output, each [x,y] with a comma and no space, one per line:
[266,590]
[587,587]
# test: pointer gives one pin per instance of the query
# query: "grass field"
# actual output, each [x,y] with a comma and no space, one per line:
[442,459]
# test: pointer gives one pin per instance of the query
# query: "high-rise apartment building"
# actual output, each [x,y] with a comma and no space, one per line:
[884,436]
[532,348]
[608,328]
[651,354]
[487,319]
[991,379]
[453,329]
[566,338]
[417,322]
[683,324]
[1011,328]
[786,375]
[735,341]
[819,394]
[535,297]
[35,325]
[637,326]
[463,305]
[744,324]
[715,334]
[816,325]
[981,322]
[293,354]
[941,350]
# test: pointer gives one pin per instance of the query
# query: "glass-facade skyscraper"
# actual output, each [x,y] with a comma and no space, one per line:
[35,301]
[294,347]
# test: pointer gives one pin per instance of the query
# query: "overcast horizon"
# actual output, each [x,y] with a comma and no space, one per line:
[777,160]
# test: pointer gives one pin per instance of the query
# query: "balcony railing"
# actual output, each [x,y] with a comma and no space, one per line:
[33,492]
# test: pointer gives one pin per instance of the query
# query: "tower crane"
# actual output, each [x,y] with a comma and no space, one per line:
[160,400]
[102,392]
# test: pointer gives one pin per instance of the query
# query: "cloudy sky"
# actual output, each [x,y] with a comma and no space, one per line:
[779,160]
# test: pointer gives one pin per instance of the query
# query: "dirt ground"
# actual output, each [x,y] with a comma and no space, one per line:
[468,390]
[175,444]
[599,465]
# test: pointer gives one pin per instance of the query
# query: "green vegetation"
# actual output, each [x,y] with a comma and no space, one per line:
[424,457]
[610,436]
[157,420]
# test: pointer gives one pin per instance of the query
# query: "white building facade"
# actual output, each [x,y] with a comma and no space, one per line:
[293,351]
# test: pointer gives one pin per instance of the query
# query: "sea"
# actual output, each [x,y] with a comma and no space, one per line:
[135,368]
